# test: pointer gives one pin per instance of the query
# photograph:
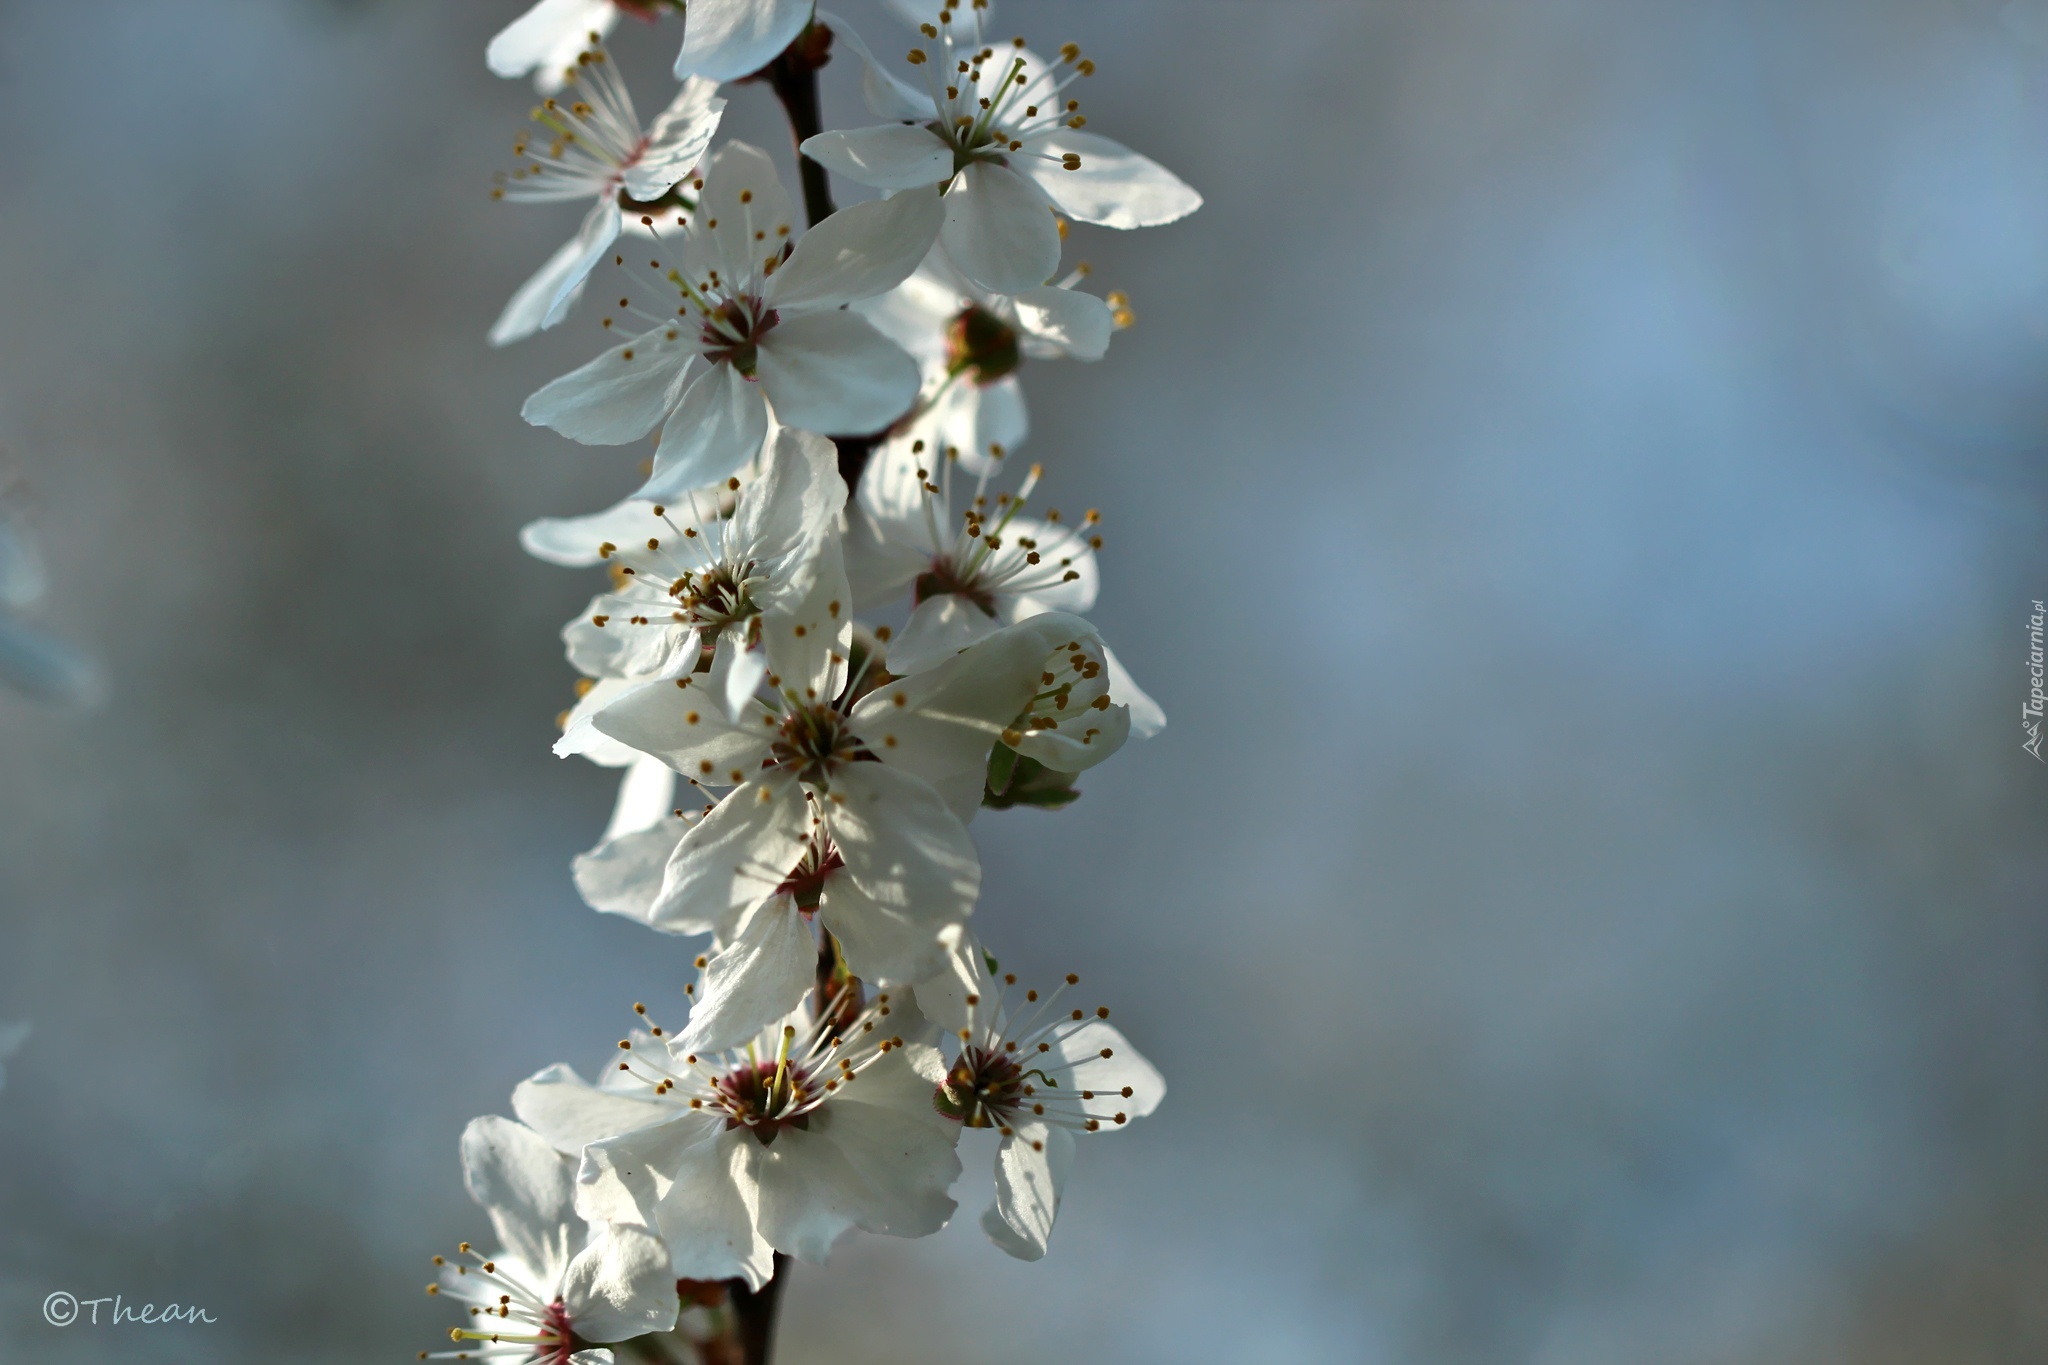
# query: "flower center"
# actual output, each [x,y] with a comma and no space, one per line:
[979,341]
[983,1089]
[733,332]
[806,881]
[765,1098]
[813,740]
[944,577]
[555,1323]
[717,596]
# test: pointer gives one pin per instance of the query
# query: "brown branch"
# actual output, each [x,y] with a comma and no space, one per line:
[754,1310]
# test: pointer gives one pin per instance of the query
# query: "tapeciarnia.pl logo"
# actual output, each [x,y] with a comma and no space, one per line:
[2030,714]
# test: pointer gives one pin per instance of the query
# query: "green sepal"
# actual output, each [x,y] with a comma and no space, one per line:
[1027,782]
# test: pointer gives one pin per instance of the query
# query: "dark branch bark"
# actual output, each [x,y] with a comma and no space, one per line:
[794,77]
[755,1311]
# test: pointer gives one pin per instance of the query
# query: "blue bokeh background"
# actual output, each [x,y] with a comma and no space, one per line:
[1578,489]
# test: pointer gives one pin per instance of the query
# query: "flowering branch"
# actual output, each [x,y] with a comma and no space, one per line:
[816,659]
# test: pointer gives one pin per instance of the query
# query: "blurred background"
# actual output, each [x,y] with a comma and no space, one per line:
[1578,489]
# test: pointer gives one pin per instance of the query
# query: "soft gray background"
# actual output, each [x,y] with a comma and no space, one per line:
[1577,488]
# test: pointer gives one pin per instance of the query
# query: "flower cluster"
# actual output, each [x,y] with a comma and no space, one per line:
[835,628]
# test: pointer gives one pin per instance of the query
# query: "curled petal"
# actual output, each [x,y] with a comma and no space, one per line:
[1114,186]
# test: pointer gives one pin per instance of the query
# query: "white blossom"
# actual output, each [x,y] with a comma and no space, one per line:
[1039,1072]
[813,1128]
[589,145]
[711,578]
[889,775]
[767,322]
[558,1285]
[971,558]
[972,571]
[969,343]
[995,128]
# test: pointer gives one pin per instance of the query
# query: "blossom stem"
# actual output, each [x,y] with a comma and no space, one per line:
[794,76]
[754,1311]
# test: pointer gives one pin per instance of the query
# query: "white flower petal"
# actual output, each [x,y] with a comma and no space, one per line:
[575,542]
[810,1193]
[710,1213]
[639,638]
[571,1113]
[623,874]
[677,139]
[1077,746]
[1109,1076]
[743,216]
[834,374]
[727,39]
[951,716]
[718,426]
[999,230]
[879,567]
[1078,324]
[528,1187]
[1031,1172]
[581,737]
[624,1175]
[858,252]
[546,299]
[735,856]
[887,97]
[683,723]
[547,38]
[938,629]
[889,156]
[620,1286]
[646,794]
[911,870]
[619,396]
[755,980]
[785,517]
[1115,186]
[1147,719]
[807,641]
[899,1146]
[749,667]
